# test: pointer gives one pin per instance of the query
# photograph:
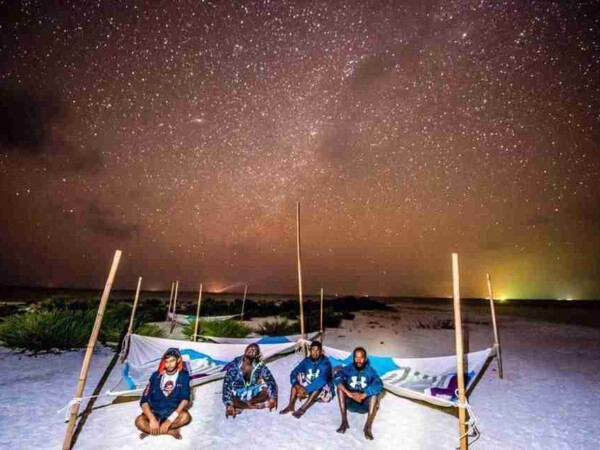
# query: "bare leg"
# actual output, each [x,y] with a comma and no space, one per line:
[373,408]
[292,404]
[182,420]
[312,398]
[342,402]
[142,424]
[260,398]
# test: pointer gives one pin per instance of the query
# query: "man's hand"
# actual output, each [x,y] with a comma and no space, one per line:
[272,404]
[360,396]
[154,426]
[301,392]
[230,411]
[354,396]
[164,428]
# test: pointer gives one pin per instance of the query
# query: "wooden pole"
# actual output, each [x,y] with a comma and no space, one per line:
[125,345]
[174,306]
[321,329]
[170,300]
[300,297]
[135,303]
[90,348]
[244,301]
[198,314]
[496,337]
[460,368]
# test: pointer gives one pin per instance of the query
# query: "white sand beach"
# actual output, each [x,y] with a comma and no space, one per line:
[548,398]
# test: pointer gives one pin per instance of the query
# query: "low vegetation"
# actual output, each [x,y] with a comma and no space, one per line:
[218,328]
[279,327]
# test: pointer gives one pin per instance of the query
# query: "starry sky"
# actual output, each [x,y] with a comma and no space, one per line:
[184,133]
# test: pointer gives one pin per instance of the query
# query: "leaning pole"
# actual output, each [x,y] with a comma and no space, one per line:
[198,314]
[174,306]
[170,300]
[460,357]
[321,318]
[90,348]
[496,336]
[125,344]
[300,296]
[244,302]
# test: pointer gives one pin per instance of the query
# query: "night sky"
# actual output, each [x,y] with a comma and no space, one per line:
[185,132]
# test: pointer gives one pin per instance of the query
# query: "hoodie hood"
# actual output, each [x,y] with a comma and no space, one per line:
[170,352]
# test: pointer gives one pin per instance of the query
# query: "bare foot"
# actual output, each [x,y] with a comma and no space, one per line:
[288,409]
[175,433]
[343,427]
[368,433]
[299,413]
[143,435]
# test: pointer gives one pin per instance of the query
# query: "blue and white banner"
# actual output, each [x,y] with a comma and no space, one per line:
[204,361]
[433,380]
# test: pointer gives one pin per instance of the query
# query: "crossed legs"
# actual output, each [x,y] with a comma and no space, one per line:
[143,424]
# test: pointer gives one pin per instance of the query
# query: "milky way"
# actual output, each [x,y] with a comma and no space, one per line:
[184,133]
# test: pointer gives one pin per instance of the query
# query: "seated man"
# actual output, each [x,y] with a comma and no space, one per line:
[358,387]
[310,379]
[248,384]
[166,398]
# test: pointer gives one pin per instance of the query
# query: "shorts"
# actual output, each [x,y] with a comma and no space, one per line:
[247,393]
[356,407]
[326,394]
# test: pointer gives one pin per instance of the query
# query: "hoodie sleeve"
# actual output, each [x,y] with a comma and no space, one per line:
[375,386]
[295,371]
[341,376]
[267,376]
[228,386]
[186,391]
[322,379]
[148,390]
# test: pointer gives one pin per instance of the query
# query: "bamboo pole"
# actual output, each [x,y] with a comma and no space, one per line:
[125,346]
[460,369]
[244,302]
[300,297]
[170,300]
[90,348]
[135,303]
[174,306]
[321,329]
[198,314]
[496,337]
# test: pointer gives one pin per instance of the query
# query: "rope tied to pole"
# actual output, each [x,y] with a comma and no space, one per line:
[125,349]
[76,401]
[472,429]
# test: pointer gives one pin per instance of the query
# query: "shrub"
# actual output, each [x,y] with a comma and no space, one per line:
[279,327]
[331,319]
[6,309]
[437,324]
[218,328]
[57,329]
[149,329]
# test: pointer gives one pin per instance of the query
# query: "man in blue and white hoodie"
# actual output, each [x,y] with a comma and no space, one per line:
[312,380]
[166,398]
[248,384]
[358,388]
